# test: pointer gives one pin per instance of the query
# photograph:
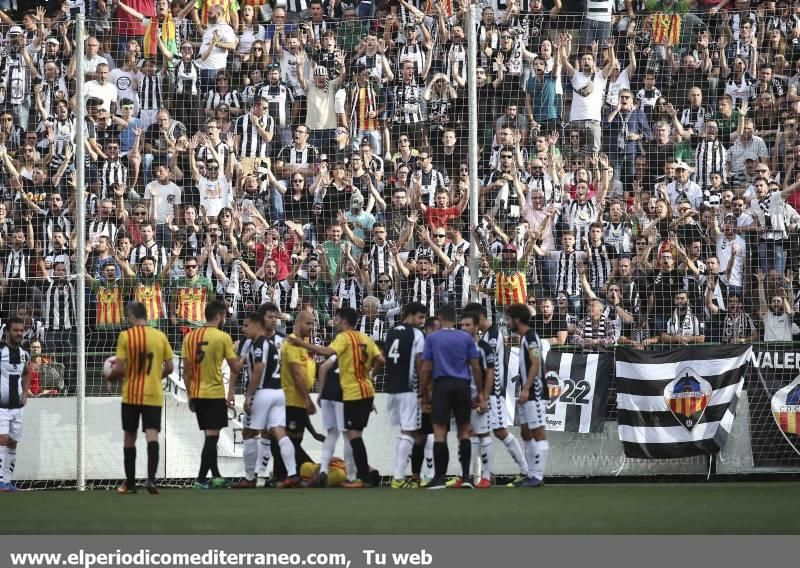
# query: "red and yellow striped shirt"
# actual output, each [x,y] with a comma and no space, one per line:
[110,305]
[356,353]
[145,350]
[192,298]
[149,293]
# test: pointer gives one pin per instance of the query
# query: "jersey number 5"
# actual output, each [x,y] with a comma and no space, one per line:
[200,354]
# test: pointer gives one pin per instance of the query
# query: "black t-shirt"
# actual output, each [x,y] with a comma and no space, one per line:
[546,330]
[663,287]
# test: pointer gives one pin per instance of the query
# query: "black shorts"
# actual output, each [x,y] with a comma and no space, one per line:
[151,417]
[212,413]
[356,413]
[451,397]
[296,419]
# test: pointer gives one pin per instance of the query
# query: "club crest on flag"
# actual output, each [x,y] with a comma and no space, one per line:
[786,407]
[687,397]
[553,383]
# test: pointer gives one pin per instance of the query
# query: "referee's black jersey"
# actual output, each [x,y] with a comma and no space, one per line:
[265,351]
[13,364]
[530,341]
[404,344]
[332,389]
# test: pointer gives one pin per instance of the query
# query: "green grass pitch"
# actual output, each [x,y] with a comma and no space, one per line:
[738,508]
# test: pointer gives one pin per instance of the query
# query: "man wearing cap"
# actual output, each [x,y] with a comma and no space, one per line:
[320,101]
[16,72]
[683,188]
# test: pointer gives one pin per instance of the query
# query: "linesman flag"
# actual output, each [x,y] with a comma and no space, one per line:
[678,403]
[577,385]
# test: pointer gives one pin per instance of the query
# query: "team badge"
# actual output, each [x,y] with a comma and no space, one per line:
[687,398]
[786,407]
[553,383]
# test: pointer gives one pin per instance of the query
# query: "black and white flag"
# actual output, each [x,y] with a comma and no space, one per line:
[578,387]
[678,403]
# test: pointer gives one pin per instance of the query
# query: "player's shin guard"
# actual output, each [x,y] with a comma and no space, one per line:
[250,456]
[405,445]
[349,462]
[417,457]
[152,460]
[441,457]
[3,454]
[279,469]
[287,453]
[487,452]
[530,455]
[360,457]
[264,455]
[464,456]
[513,447]
[208,458]
[130,465]
[475,449]
[10,464]
[542,449]
[429,465]
[328,448]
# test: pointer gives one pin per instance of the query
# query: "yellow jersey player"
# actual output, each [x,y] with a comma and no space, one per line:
[144,357]
[298,372]
[204,350]
[358,357]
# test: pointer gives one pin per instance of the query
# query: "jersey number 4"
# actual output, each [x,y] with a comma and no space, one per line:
[394,351]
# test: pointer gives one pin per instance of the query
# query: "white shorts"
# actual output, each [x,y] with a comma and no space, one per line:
[498,419]
[403,411]
[268,409]
[332,415]
[11,423]
[533,414]
[479,422]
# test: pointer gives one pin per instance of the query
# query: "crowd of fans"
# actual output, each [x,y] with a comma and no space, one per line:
[638,162]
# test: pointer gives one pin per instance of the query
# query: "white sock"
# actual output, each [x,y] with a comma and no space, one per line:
[3,451]
[530,455]
[287,453]
[475,454]
[542,449]
[427,467]
[513,447]
[405,444]
[250,455]
[487,452]
[349,462]
[328,448]
[9,463]
[264,455]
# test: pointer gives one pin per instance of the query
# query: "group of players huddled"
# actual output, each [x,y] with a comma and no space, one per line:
[450,373]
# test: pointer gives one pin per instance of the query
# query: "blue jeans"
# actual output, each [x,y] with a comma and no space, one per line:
[771,254]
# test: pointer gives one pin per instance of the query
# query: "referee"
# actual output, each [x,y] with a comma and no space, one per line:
[450,359]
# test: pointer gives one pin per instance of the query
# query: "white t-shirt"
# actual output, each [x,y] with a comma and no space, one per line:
[218,59]
[106,93]
[214,195]
[778,328]
[591,107]
[90,65]
[622,82]
[724,251]
[125,82]
[168,197]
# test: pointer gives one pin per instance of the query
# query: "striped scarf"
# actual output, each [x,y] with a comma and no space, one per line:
[168,36]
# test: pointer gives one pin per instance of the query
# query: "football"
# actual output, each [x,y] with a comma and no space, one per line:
[108,366]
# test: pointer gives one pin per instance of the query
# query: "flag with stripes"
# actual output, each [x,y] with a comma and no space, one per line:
[577,384]
[678,403]
[666,28]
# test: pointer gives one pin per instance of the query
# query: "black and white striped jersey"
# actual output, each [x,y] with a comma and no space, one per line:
[494,338]
[252,144]
[290,155]
[59,306]
[232,98]
[567,278]
[150,92]
[599,258]
[404,344]
[530,348]
[14,363]
[280,99]
[112,171]
[375,329]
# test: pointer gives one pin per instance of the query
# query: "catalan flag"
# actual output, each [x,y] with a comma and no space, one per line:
[666,28]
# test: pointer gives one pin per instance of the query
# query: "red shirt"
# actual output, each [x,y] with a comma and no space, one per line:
[439,216]
[128,25]
[573,188]
[283,258]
